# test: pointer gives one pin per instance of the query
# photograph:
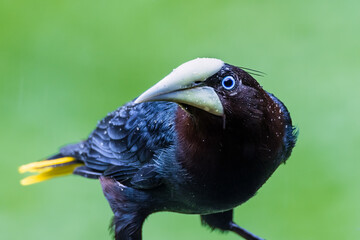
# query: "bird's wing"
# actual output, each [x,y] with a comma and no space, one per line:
[126,141]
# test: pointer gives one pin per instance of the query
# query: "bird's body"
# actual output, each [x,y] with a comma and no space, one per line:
[188,157]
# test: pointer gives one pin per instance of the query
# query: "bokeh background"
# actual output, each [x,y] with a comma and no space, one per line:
[65,64]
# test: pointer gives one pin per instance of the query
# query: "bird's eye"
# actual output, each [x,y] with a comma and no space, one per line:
[228,82]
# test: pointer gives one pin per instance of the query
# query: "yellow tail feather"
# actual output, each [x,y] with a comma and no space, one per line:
[48,169]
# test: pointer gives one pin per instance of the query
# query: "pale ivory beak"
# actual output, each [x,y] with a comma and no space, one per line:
[184,85]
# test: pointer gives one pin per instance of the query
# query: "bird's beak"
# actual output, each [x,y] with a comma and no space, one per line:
[185,85]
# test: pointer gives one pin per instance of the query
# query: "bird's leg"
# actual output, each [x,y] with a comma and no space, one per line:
[243,232]
[128,207]
[127,227]
[224,222]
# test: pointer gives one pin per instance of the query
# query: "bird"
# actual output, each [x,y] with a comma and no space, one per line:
[202,140]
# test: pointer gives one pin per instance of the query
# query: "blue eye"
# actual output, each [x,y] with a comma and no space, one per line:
[228,82]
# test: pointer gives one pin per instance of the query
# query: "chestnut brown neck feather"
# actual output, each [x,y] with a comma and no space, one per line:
[207,148]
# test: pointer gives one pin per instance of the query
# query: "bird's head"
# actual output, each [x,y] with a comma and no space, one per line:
[210,85]
[230,116]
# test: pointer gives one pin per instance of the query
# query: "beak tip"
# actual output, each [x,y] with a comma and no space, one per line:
[139,99]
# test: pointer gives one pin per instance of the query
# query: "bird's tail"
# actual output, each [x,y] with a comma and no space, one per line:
[49,169]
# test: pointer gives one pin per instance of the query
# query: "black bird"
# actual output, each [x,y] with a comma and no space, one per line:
[201,141]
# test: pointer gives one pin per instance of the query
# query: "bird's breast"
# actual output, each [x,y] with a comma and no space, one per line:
[218,183]
[224,167]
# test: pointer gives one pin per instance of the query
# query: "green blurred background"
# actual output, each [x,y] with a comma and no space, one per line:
[65,64]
